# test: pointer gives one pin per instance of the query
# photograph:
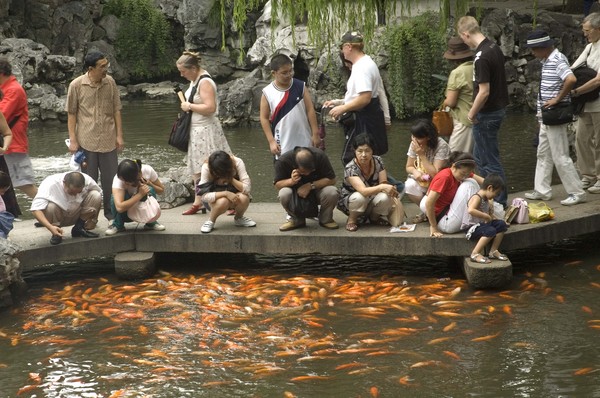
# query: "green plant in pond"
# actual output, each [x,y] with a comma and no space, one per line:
[144,41]
[415,53]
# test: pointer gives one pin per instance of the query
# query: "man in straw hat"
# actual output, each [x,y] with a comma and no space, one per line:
[459,94]
[556,82]
[490,99]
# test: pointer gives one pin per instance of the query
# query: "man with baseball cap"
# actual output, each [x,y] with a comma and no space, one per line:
[556,82]
[361,98]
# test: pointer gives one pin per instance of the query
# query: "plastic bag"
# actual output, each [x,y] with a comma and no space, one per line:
[539,212]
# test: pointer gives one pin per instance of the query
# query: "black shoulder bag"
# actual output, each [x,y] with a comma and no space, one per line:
[584,74]
[180,132]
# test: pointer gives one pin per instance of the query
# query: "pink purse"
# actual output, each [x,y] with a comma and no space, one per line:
[146,211]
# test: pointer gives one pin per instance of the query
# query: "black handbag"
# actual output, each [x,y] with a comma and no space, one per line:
[561,113]
[584,73]
[304,207]
[180,132]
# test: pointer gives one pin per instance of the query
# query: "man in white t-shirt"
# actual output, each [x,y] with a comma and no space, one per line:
[68,199]
[361,98]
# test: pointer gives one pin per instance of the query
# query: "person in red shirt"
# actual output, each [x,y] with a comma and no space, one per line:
[446,201]
[14,107]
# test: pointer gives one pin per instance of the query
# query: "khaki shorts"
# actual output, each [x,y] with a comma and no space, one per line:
[20,169]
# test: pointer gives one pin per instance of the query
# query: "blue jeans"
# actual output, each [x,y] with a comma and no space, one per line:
[486,151]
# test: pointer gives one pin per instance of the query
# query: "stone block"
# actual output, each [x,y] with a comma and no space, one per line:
[497,274]
[135,265]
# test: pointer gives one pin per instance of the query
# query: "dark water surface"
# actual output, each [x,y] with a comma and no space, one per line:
[298,326]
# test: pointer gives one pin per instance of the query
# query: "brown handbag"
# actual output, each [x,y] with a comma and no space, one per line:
[442,121]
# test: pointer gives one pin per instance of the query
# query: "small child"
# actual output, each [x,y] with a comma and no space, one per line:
[6,218]
[482,225]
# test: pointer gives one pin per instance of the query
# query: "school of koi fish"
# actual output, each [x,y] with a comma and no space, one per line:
[267,335]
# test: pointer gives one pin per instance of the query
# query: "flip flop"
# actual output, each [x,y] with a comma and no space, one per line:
[352,227]
[480,259]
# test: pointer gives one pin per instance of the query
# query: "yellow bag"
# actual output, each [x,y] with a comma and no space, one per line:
[539,212]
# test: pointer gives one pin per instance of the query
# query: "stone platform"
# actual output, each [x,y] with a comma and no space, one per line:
[183,236]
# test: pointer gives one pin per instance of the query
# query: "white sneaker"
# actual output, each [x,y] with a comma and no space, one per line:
[588,182]
[244,221]
[573,199]
[594,188]
[155,226]
[535,195]
[112,230]
[207,227]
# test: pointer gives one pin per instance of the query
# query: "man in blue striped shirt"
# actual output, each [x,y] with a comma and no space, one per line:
[556,82]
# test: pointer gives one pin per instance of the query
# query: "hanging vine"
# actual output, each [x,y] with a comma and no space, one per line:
[414,54]
[144,41]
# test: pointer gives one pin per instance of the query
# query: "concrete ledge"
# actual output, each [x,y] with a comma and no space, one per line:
[495,275]
[135,265]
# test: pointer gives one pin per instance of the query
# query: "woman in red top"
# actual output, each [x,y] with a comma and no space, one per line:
[446,201]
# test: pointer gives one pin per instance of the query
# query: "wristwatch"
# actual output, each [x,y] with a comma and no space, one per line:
[312,185]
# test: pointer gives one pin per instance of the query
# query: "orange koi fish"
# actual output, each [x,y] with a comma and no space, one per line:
[374,391]
[449,327]
[452,355]
[405,381]
[310,378]
[349,365]
[595,284]
[486,338]
[27,388]
[448,314]
[425,363]
[560,298]
[583,371]
[507,310]
[587,309]
[438,340]
[576,262]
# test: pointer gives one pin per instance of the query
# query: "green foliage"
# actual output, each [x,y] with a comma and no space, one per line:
[144,41]
[415,53]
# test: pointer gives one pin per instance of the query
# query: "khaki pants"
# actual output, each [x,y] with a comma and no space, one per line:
[587,142]
[88,211]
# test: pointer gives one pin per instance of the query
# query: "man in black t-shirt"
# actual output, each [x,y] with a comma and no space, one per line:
[300,172]
[490,98]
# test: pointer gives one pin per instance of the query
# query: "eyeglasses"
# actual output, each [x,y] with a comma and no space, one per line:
[104,67]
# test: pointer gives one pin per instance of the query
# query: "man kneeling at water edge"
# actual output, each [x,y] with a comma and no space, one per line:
[68,199]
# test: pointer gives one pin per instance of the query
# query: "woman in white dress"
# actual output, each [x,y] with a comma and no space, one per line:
[206,133]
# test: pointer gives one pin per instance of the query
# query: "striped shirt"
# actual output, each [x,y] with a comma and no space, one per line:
[95,108]
[555,69]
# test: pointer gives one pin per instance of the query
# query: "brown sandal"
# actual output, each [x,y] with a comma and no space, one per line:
[352,227]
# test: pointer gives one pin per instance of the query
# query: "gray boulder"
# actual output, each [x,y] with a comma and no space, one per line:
[11,282]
